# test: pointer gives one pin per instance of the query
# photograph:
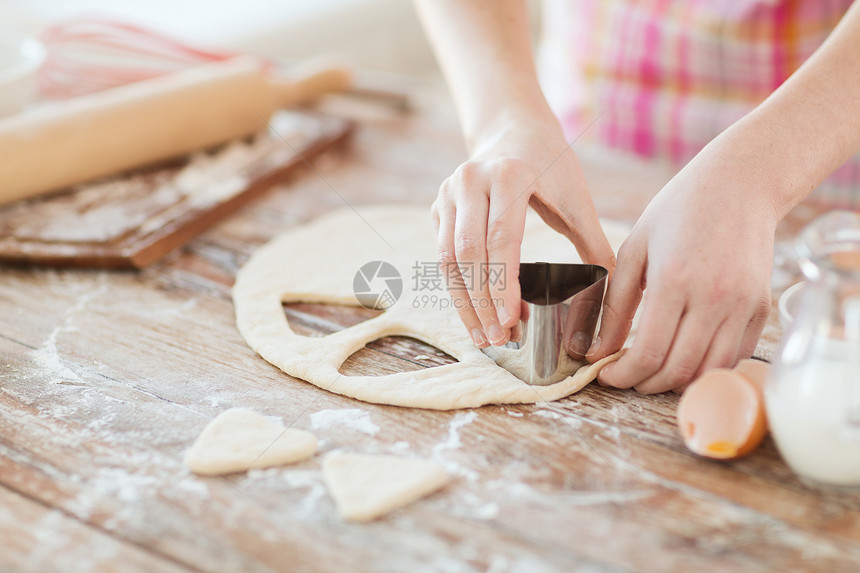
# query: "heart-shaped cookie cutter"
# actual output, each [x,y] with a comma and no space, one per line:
[561,305]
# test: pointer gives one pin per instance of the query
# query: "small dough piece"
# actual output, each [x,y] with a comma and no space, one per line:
[239,439]
[368,486]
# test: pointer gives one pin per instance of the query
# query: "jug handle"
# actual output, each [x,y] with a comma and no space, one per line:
[852,375]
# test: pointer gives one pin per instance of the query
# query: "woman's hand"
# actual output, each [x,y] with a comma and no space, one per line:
[704,245]
[480,215]
[704,248]
[518,157]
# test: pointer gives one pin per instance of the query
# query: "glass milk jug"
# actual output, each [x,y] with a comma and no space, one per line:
[813,393]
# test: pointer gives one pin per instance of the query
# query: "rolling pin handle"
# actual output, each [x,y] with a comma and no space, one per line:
[309,85]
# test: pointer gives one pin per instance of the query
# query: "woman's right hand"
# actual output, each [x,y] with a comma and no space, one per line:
[480,216]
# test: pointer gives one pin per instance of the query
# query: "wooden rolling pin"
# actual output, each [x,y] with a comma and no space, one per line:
[62,144]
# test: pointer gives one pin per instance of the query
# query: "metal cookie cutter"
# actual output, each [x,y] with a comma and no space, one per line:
[560,307]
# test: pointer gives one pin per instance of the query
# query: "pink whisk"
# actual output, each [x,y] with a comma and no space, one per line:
[85,56]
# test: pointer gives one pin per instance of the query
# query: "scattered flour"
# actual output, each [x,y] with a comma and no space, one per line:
[499,564]
[399,447]
[47,356]
[573,422]
[353,418]
[452,443]
[310,480]
[128,490]
[53,538]
[487,511]
[477,508]
[175,310]
[568,498]
[194,486]
[605,497]
[551,413]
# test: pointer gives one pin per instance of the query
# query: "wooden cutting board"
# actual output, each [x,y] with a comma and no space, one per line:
[132,220]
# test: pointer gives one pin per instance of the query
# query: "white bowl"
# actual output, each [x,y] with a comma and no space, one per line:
[789,303]
[20,59]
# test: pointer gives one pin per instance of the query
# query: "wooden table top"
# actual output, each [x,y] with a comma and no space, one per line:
[106,378]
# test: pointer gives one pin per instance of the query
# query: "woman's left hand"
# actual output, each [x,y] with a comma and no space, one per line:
[704,248]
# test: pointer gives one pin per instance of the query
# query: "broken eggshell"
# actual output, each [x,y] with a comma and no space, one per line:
[756,371]
[721,415]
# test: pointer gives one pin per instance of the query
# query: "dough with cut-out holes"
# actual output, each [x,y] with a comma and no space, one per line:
[369,486]
[317,262]
[239,439]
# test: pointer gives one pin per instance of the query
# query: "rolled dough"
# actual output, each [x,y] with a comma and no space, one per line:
[367,486]
[316,263]
[239,439]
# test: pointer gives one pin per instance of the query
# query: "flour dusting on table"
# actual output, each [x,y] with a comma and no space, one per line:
[453,443]
[400,447]
[353,418]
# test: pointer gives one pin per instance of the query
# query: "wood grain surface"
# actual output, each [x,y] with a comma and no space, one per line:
[107,377]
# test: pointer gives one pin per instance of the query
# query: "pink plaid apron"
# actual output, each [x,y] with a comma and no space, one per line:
[666,76]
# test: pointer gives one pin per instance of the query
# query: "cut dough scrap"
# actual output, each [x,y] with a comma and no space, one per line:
[365,486]
[317,262]
[239,439]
